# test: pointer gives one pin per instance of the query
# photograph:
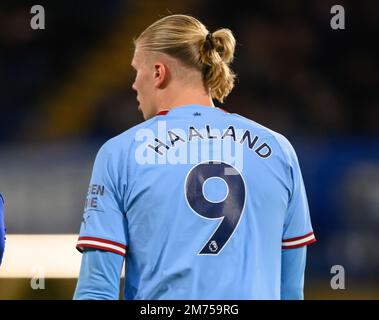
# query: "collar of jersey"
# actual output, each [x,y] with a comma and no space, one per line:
[188,107]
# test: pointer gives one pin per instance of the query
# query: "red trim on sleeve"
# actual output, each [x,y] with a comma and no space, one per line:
[103,244]
[104,240]
[297,242]
[300,245]
[80,248]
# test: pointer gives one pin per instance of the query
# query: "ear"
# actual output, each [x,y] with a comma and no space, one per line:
[161,75]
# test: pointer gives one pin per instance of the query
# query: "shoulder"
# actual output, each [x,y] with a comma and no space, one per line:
[274,137]
[125,140]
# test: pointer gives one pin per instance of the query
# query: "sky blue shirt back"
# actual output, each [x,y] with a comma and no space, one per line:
[201,203]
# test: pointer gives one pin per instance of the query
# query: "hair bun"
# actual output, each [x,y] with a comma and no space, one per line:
[188,40]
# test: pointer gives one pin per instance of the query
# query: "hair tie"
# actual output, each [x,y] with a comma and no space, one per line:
[209,41]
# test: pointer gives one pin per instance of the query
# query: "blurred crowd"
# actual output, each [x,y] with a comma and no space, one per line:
[298,75]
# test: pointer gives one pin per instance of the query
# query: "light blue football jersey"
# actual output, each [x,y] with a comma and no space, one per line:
[200,202]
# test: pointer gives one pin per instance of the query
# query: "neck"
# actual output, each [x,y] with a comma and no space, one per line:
[186,97]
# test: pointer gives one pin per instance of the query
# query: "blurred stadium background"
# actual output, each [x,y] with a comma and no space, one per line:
[65,90]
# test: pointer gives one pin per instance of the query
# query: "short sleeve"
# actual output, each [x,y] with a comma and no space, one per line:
[104,224]
[297,231]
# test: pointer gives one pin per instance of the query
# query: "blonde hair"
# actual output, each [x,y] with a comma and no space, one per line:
[188,40]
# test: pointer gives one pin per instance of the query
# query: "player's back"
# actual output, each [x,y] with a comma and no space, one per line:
[204,201]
